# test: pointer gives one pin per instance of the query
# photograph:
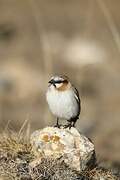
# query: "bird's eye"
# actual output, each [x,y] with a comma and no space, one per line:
[58,82]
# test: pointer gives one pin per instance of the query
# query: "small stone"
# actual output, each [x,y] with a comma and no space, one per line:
[76,150]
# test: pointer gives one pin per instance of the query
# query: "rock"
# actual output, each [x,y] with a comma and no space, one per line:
[76,150]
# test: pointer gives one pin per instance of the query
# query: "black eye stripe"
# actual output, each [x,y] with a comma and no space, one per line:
[60,81]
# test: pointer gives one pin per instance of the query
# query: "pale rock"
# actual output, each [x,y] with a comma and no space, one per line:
[76,150]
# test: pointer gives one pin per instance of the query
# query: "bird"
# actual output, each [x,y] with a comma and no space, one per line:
[63,100]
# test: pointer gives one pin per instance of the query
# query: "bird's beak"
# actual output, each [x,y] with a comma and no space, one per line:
[51,81]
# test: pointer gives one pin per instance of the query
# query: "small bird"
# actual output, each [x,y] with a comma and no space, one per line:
[63,100]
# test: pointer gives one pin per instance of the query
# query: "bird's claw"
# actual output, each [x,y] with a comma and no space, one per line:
[57,125]
[68,126]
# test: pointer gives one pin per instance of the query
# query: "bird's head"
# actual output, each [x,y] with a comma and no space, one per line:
[60,83]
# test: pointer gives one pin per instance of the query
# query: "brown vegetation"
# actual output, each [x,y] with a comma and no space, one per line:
[17,163]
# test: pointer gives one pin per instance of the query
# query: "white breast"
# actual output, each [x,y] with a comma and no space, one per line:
[62,103]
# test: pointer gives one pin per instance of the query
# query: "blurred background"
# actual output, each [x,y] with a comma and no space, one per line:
[80,39]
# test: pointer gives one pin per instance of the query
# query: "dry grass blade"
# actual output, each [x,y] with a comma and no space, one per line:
[26,131]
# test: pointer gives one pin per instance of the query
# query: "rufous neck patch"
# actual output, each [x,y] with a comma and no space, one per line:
[63,87]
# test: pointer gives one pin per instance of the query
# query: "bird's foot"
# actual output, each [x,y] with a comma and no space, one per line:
[69,125]
[57,125]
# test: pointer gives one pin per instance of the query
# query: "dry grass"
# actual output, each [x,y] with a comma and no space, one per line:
[17,159]
[15,154]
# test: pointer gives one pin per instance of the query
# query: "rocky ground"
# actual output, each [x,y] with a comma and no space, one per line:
[50,155]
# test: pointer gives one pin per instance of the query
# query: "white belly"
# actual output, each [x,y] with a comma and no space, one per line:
[62,104]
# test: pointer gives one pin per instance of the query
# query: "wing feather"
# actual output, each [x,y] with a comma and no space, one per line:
[76,94]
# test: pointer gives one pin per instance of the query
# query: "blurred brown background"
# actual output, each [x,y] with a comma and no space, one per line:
[78,38]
